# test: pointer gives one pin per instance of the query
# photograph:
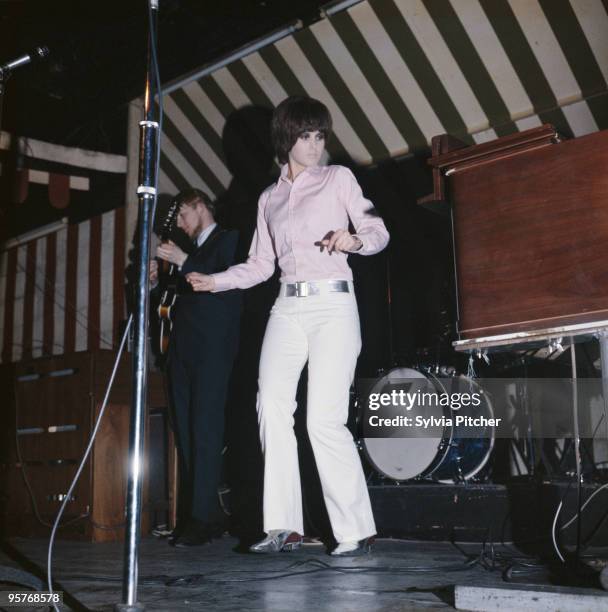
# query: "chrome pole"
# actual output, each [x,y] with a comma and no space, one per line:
[146,191]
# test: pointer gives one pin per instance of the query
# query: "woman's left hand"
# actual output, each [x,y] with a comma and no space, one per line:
[200,282]
[341,240]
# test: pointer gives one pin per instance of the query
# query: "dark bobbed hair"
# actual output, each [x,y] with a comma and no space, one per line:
[191,197]
[294,116]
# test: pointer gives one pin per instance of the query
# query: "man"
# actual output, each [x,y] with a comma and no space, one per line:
[202,348]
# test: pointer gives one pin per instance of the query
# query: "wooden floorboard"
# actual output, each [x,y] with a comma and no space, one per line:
[216,578]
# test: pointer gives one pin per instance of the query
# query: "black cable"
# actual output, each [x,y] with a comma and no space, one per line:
[488,559]
[13,575]
[161,110]
[317,567]
[84,458]
[587,543]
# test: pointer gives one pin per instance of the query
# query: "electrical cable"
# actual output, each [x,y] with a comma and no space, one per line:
[576,516]
[120,350]
[587,501]
[25,477]
[553,536]
[85,457]
[577,458]
[489,560]
[161,110]
[274,574]
[511,564]
[15,576]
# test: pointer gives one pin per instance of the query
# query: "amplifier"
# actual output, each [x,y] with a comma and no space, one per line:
[47,420]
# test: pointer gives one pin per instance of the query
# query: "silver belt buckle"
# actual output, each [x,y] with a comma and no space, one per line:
[301,288]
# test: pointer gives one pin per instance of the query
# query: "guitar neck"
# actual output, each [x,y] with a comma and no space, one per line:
[165,269]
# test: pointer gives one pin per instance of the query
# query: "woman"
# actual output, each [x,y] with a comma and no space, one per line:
[303,222]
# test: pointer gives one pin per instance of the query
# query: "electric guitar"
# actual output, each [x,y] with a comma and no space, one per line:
[167,281]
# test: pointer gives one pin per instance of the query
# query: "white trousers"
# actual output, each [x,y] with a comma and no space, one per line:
[323,329]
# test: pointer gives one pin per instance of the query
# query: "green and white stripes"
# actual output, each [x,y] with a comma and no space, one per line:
[394,73]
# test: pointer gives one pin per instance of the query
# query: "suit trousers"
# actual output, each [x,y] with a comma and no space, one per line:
[323,329]
[199,386]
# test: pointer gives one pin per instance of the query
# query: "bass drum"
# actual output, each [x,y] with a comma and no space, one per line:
[446,457]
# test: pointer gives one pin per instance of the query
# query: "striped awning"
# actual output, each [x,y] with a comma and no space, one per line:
[395,73]
[63,291]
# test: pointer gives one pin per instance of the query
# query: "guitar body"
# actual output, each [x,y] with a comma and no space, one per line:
[167,301]
[167,281]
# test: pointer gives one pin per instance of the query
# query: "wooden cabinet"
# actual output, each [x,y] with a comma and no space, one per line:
[530,231]
[47,420]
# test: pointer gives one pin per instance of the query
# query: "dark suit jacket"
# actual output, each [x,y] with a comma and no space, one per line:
[205,321]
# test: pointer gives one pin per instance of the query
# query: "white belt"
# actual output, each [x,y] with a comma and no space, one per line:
[306,288]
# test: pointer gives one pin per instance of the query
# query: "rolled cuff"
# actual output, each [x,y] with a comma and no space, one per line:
[374,240]
[222,282]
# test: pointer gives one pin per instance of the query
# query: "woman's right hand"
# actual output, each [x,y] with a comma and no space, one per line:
[200,282]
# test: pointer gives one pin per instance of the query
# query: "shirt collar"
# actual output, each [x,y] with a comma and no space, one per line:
[205,234]
[285,172]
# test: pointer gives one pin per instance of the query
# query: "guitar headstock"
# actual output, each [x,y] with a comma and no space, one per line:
[169,222]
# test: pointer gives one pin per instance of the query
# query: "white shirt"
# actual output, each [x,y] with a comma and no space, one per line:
[205,234]
[294,216]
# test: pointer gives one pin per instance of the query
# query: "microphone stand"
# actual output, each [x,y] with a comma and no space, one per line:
[3,77]
[6,69]
[146,191]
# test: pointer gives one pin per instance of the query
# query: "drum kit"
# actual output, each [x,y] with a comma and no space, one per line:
[445,456]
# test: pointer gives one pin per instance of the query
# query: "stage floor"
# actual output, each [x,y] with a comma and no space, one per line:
[223,580]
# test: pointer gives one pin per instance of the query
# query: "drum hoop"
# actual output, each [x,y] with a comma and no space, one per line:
[444,445]
[379,471]
[424,473]
[486,457]
[443,448]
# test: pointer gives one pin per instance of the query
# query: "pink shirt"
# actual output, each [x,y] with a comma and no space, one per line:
[293,216]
